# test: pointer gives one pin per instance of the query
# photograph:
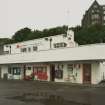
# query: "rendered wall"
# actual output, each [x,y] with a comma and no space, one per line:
[41,43]
[96,53]
[102,70]
[95,73]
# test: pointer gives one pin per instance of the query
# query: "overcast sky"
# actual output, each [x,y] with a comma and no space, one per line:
[40,14]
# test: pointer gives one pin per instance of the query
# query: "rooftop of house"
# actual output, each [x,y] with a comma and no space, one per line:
[93,52]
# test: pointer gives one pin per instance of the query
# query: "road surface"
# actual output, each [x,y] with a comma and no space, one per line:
[14,92]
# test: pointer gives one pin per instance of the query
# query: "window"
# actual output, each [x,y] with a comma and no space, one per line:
[40,72]
[40,69]
[59,71]
[103,7]
[35,48]
[28,68]
[97,11]
[44,69]
[57,45]
[95,16]
[29,49]
[95,22]
[16,71]
[104,17]
[70,69]
[23,49]
[92,11]
[9,70]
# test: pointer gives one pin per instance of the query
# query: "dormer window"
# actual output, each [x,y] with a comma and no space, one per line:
[59,45]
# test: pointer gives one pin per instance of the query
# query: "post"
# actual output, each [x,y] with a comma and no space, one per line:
[50,42]
[10,49]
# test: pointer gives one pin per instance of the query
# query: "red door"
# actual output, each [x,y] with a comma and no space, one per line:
[86,73]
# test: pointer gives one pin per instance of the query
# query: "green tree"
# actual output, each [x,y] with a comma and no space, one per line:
[21,35]
[90,35]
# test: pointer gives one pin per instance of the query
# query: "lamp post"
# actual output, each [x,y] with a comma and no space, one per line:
[10,49]
[50,42]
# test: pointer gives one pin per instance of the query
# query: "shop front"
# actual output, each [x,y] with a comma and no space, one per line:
[68,72]
[36,72]
[72,72]
[15,72]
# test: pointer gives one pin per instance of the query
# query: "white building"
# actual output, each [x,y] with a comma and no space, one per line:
[56,58]
[46,43]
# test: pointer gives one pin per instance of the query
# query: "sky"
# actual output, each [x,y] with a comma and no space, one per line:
[40,14]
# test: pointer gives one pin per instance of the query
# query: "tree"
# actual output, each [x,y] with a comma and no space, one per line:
[5,41]
[21,35]
[26,33]
[90,35]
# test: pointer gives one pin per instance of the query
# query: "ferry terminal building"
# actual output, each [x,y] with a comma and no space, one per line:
[56,58]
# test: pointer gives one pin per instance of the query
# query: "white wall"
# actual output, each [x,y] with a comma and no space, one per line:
[79,71]
[41,43]
[96,52]
[102,70]
[29,72]
[48,72]
[95,73]
[13,76]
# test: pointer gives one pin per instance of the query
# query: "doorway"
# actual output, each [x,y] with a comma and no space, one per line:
[87,73]
[52,72]
[24,71]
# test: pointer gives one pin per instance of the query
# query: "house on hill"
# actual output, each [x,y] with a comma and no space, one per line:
[94,15]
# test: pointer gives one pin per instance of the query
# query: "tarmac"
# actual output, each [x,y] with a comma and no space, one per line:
[18,92]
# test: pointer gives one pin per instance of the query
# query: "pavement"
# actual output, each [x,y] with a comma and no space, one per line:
[50,93]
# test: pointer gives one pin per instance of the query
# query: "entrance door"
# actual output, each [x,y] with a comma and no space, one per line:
[24,71]
[86,73]
[52,72]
